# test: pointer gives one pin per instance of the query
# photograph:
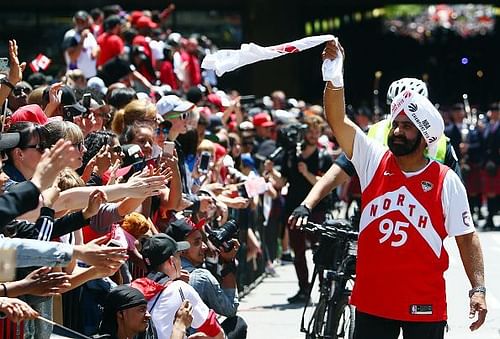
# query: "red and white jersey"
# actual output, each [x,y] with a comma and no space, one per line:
[405,217]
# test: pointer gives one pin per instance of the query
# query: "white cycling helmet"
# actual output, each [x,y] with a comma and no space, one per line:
[400,85]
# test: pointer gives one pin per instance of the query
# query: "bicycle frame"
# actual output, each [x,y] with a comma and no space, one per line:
[341,245]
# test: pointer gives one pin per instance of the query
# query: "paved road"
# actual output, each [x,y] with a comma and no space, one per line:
[270,316]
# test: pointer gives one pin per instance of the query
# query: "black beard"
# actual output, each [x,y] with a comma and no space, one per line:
[406,148]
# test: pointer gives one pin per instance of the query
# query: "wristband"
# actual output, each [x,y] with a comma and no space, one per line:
[478,289]
[4,290]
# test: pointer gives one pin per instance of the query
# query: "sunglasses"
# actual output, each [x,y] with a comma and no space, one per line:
[177,115]
[18,91]
[163,130]
[38,148]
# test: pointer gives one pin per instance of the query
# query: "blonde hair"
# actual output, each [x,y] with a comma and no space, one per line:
[136,224]
[68,178]
[136,110]
[62,129]
[206,145]
[314,121]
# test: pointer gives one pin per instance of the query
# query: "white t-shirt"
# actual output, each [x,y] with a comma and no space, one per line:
[366,157]
[85,62]
[163,313]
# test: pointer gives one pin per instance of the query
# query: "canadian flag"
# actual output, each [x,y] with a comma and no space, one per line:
[227,60]
[41,63]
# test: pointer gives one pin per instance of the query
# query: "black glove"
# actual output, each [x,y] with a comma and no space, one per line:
[299,216]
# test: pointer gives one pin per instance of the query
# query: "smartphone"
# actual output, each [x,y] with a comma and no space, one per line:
[168,147]
[114,243]
[86,100]
[4,65]
[204,161]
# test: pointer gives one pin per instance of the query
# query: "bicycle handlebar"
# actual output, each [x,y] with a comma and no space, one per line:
[331,230]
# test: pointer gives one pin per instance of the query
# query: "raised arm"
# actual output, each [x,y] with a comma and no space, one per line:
[333,100]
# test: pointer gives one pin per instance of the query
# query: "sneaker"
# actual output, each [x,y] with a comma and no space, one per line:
[286,258]
[271,271]
[299,298]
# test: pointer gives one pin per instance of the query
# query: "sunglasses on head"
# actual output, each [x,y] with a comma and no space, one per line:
[17,91]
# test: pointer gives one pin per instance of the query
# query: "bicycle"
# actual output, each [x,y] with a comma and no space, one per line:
[335,259]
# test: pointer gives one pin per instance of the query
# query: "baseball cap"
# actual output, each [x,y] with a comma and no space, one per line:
[169,105]
[82,15]
[9,140]
[97,84]
[263,120]
[32,113]
[111,21]
[181,228]
[158,248]
[145,22]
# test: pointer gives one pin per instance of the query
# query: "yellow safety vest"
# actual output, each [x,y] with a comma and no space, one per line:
[380,131]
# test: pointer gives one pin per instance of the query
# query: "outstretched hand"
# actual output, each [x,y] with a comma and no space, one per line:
[16,69]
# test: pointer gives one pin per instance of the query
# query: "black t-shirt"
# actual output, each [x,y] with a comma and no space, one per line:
[115,69]
[317,163]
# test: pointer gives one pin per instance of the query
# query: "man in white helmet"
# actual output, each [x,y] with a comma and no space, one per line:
[410,205]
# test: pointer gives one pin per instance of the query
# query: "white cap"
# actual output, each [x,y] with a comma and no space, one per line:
[172,103]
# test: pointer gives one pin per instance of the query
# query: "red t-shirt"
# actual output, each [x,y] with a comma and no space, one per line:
[193,68]
[111,46]
[401,257]
[167,76]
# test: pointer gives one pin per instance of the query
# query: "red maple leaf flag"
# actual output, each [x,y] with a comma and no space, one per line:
[40,63]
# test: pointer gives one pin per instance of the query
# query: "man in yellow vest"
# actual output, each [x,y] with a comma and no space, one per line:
[342,169]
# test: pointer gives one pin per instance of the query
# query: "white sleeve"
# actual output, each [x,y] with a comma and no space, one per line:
[200,310]
[366,156]
[163,313]
[458,219]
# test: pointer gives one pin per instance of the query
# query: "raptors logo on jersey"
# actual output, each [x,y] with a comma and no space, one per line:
[400,247]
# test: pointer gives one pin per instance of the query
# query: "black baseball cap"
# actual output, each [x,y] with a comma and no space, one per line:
[9,140]
[181,228]
[158,248]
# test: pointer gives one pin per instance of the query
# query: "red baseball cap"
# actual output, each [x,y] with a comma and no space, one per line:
[263,119]
[146,22]
[31,113]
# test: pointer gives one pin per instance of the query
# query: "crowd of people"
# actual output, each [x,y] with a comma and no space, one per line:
[136,182]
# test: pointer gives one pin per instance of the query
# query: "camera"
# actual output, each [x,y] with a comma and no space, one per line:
[221,236]
[288,138]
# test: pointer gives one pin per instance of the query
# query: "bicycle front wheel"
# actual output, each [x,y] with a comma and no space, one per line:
[344,320]
[320,319]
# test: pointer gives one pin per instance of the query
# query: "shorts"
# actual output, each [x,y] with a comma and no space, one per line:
[368,326]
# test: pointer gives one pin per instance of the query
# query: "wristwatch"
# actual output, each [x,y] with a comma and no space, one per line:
[6,82]
[480,289]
